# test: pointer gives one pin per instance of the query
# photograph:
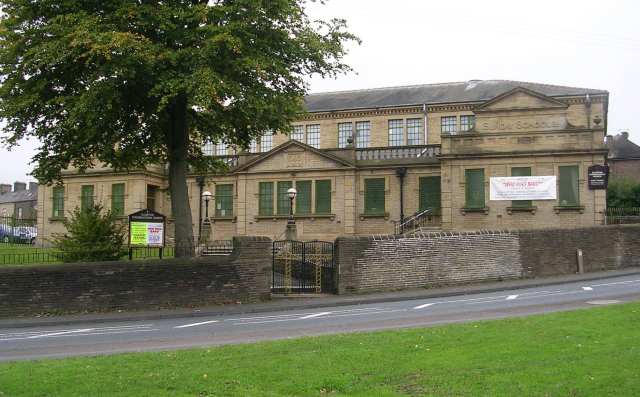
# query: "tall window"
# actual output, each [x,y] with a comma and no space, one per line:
[521,171]
[58,202]
[313,135]
[282,197]
[474,188]
[467,123]
[323,197]
[224,201]
[414,131]
[117,198]
[221,149]
[265,198]
[303,198]
[430,194]
[86,197]
[374,196]
[266,142]
[298,133]
[448,125]
[345,131]
[208,148]
[568,186]
[363,134]
[151,197]
[396,133]
[253,146]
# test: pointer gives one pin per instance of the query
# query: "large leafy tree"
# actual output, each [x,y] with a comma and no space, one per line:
[129,83]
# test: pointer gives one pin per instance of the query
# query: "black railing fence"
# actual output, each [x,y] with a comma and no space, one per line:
[620,216]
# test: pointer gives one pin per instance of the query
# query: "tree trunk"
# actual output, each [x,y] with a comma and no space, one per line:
[177,139]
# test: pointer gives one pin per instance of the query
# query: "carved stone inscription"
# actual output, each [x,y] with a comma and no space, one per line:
[295,160]
[521,124]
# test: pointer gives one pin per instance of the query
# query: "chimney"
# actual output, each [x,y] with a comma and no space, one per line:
[33,187]
[4,188]
[625,135]
[19,186]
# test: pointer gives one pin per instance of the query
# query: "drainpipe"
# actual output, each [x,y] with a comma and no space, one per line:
[200,182]
[426,126]
[401,173]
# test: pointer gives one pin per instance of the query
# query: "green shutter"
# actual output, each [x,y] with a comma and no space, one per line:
[568,186]
[265,202]
[86,197]
[284,202]
[430,194]
[323,197]
[521,171]
[474,188]
[374,196]
[58,202]
[224,201]
[117,198]
[303,198]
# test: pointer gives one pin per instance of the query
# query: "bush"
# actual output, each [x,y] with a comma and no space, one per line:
[92,235]
[623,193]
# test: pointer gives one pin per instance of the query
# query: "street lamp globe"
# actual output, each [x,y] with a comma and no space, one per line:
[292,193]
[206,196]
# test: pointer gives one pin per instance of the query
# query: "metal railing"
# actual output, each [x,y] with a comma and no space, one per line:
[424,218]
[400,152]
[619,216]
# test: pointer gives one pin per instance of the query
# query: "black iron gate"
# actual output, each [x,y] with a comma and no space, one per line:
[303,267]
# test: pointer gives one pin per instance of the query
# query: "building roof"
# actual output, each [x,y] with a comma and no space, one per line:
[469,91]
[18,197]
[620,147]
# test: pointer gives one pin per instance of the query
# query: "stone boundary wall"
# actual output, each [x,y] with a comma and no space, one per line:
[380,263]
[244,276]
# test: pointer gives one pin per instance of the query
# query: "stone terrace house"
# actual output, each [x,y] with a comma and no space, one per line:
[360,159]
[19,203]
[624,157]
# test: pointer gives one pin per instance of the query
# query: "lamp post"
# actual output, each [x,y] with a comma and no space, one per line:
[206,196]
[291,232]
[206,223]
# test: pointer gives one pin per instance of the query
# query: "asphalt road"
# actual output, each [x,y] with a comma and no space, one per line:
[133,336]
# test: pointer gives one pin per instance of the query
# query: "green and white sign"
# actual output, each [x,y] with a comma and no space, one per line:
[146,229]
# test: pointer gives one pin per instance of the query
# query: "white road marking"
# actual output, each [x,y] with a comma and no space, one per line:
[616,283]
[344,313]
[75,331]
[297,315]
[603,302]
[587,288]
[79,332]
[511,297]
[196,324]
[314,315]
[423,306]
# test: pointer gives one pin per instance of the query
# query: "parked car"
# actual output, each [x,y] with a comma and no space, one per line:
[6,233]
[25,234]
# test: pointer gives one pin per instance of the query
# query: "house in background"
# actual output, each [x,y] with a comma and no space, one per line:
[623,158]
[19,203]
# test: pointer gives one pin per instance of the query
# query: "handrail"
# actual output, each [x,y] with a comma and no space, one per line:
[413,220]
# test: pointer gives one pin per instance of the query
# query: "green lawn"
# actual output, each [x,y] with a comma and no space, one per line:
[593,352]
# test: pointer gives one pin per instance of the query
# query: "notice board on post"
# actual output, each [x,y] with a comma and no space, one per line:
[146,229]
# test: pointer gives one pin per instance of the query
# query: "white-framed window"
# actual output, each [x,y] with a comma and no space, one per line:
[345,131]
[208,148]
[298,133]
[363,134]
[313,135]
[467,123]
[449,124]
[221,149]
[415,130]
[253,146]
[396,132]
[266,142]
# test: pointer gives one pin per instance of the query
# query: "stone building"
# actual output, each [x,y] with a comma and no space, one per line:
[18,203]
[362,160]
[623,158]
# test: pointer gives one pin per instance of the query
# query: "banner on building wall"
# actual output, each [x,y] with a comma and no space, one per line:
[146,228]
[523,188]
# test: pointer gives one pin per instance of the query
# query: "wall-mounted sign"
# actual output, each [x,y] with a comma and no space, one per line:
[146,229]
[598,176]
[523,188]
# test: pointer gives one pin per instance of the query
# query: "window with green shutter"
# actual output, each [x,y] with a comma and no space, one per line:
[374,196]
[284,202]
[474,188]
[430,194]
[58,202]
[521,171]
[568,186]
[303,198]
[265,199]
[323,197]
[86,197]
[224,201]
[117,199]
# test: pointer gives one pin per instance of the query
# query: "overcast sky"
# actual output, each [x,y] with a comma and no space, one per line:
[581,43]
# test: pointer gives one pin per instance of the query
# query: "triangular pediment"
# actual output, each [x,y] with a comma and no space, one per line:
[294,155]
[518,99]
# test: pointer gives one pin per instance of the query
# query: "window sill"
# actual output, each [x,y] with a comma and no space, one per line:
[384,215]
[484,210]
[57,219]
[215,219]
[532,210]
[575,208]
[298,216]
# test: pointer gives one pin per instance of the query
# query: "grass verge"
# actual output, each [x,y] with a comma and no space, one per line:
[593,352]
